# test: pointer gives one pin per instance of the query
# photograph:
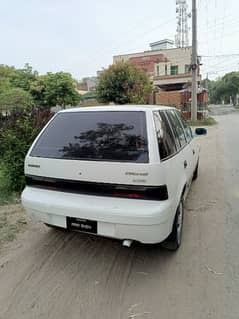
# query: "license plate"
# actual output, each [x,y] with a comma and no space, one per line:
[82,225]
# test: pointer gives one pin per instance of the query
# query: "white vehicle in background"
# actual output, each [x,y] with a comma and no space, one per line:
[115,171]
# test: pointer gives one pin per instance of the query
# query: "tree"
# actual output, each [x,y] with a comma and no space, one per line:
[55,89]
[231,85]
[224,88]
[37,90]
[14,98]
[6,72]
[47,90]
[17,132]
[22,78]
[123,83]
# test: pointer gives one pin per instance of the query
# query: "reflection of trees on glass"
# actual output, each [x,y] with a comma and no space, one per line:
[108,141]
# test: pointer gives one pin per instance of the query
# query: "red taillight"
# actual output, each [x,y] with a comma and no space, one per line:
[158,192]
[135,195]
[128,195]
[53,188]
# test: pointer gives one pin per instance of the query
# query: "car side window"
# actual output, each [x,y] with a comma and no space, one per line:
[177,127]
[187,128]
[165,137]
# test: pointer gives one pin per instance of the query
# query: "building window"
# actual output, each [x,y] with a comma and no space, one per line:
[158,71]
[166,69]
[174,70]
[187,68]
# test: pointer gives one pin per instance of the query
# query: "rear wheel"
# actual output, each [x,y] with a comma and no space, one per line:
[174,240]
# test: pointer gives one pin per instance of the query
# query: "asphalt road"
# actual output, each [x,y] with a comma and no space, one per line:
[57,275]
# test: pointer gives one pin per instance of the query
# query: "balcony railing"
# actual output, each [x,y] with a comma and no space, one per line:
[172,76]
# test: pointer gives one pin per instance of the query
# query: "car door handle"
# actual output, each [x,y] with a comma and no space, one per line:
[185,164]
[193,152]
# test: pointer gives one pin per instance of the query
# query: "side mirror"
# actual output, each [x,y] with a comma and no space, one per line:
[200,131]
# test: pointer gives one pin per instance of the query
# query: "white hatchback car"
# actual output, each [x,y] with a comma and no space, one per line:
[115,171]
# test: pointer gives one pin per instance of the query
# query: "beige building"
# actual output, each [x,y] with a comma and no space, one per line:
[168,68]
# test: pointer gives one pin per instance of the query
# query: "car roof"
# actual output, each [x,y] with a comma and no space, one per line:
[129,107]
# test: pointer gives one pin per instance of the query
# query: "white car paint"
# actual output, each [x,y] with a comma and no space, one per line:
[146,221]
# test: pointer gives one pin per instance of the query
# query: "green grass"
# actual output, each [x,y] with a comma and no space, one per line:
[207,122]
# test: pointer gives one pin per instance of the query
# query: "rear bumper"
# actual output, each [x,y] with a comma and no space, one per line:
[141,220]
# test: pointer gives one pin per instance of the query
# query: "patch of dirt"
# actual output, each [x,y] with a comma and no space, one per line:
[12,221]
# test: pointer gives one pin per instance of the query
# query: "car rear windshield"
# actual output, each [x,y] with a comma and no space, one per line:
[95,135]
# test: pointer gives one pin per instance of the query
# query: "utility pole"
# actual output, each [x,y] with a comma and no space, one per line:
[194,62]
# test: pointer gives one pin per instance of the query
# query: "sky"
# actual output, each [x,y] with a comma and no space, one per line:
[81,37]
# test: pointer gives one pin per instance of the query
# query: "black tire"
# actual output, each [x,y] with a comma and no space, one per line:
[195,174]
[174,240]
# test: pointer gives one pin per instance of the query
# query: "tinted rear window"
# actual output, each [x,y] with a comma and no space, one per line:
[106,136]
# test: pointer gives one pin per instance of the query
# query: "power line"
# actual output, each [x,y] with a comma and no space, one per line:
[219,67]
[223,26]
[211,27]
[215,20]
[220,55]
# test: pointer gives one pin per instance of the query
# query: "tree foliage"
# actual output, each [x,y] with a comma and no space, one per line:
[22,78]
[17,132]
[224,88]
[51,89]
[123,83]
[55,89]
[13,98]
[61,89]
[25,101]
[6,73]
